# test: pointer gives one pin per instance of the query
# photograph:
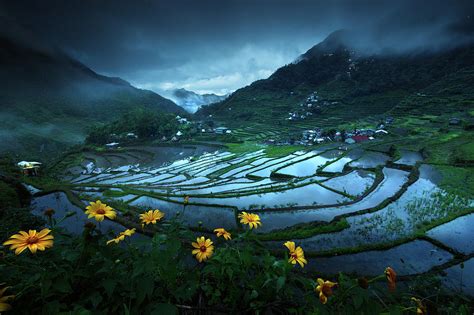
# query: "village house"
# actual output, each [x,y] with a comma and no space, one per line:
[270,142]
[381,132]
[222,130]
[360,138]
[389,120]
[182,120]
[29,168]
[112,145]
[454,121]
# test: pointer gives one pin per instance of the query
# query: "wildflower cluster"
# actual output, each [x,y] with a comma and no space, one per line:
[213,255]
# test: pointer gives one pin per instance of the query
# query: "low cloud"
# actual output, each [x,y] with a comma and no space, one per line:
[219,74]
[218,46]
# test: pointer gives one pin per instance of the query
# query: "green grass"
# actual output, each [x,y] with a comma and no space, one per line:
[246,147]
[465,153]
[8,196]
[458,180]
[304,231]
[283,150]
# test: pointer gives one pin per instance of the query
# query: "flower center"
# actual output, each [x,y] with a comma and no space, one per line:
[203,248]
[32,240]
[294,256]
[327,291]
[100,211]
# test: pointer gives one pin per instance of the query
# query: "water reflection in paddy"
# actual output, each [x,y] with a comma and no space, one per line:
[310,166]
[338,166]
[392,182]
[409,157]
[61,205]
[390,223]
[411,258]
[355,183]
[457,234]
[371,160]
[307,195]
[459,278]
[211,217]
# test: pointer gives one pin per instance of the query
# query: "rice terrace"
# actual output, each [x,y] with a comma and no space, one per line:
[339,182]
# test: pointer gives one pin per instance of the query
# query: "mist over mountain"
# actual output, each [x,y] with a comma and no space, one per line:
[48,100]
[344,73]
[166,45]
[192,101]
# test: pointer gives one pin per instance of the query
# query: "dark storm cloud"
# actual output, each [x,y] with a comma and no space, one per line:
[218,46]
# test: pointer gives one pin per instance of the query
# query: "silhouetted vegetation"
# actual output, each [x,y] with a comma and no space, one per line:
[145,124]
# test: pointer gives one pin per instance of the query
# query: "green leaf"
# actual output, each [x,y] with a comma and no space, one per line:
[164,309]
[144,288]
[62,285]
[109,286]
[254,294]
[280,283]
[358,300]
[126,311]
[95,299]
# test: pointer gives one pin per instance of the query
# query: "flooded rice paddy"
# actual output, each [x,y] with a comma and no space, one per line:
[382,202]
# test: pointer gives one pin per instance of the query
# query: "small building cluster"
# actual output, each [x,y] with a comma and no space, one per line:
[182,120]
[208,128]
[312,105]
[319,135]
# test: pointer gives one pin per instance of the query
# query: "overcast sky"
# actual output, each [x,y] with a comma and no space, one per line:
[222,45]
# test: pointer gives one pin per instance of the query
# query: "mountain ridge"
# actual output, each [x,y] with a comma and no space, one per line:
[49,100]
[361,84]
[192,101]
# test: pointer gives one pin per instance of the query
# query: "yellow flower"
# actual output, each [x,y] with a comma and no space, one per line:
[203,248]
[186,200]
[253,220]
[4,306]
[151,217]
[296,254]
[325,289]
[391,276]
[32,240]
[121,236]
[420,307]
[222,232]
[99,211]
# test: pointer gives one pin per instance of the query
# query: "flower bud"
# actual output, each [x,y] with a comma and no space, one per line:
[89,225]
[49,212]
[363,283]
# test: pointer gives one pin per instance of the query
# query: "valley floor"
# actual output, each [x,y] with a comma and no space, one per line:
[402,201]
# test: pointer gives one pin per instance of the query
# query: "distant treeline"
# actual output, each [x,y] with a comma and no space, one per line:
[144,123]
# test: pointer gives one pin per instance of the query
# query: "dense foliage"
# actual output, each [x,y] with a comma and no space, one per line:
[87,275]
[145,124]
[361,84]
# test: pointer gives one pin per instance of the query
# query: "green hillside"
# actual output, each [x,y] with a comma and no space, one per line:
[352,86]
[48,100]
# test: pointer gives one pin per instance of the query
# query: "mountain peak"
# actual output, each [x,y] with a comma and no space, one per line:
[192,101]
[335,41]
